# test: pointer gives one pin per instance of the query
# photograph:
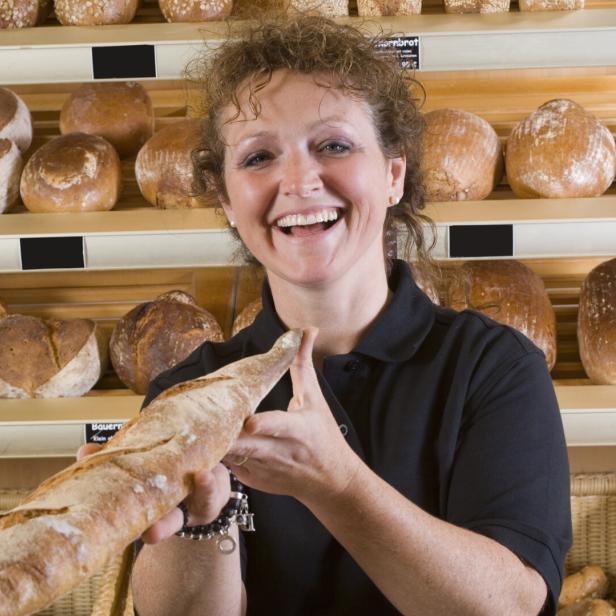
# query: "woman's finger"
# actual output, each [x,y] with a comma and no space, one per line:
[303,376]
[268,423]
[87,450]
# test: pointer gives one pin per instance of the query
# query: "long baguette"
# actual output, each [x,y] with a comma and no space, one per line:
[73,522]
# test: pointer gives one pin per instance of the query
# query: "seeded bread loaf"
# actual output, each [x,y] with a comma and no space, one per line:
[11,164]
[388,8]
[551,5]
[511,293]
[48,358]
[596,327]
[23,13]
[477,6]
[121,112]
[195,10]
[156,335]
[15,120]
[70,526]
[95,12]
[560,150]
[72,173]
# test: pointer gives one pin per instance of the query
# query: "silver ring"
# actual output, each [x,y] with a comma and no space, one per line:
[242,461]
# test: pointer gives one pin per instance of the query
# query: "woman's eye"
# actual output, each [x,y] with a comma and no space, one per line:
[256,159]
[335,147]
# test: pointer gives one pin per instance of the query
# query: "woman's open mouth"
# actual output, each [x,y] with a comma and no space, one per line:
[299,225]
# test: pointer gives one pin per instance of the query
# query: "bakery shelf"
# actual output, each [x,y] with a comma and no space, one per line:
[56,428]
[447,42]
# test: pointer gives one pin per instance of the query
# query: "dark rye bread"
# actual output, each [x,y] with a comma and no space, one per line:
[510,293]
[596,329]
[156,335]
[70,526]
[48,358]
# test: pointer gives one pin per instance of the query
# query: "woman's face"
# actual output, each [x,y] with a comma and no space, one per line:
[307,183]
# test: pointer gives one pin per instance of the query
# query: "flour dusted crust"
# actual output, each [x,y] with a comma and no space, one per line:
[326,8]
[11,164]
[48,358]
[15,119]
[195,10]
[510,293]
[72,173]
[23,13]
[164,168]
[95,12]
[246,316]
[156,335]
[560,150]
[386,8]
[596,328]
[462,156]
[477,6]
[121,112]
[69,526]
[551,5]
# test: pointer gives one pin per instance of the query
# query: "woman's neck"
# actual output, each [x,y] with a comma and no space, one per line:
[342,311]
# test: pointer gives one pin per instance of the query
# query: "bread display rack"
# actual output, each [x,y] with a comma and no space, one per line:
[500,67]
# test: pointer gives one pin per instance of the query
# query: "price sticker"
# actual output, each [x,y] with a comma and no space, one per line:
[405,48]
[41,253]
[101,432]
[480,241]
[124,62]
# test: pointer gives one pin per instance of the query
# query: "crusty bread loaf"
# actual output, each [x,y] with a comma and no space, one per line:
[68,528]
[551,5]
[596,327]
[510,293]
[164,168]
[95,12]
[15,119]
[11,165]
[48,358]
[462,156]
[121,112]
[246,316]
[156,335]
[589,607]
[3,309]
[72,173]
[477,6]
[588,583]
[195,10]
[386,8]
[560,150]
[23,13]
[326,8]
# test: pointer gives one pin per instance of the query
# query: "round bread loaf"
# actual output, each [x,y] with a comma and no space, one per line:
[95,12]
[246,316]
[11,165]
[15,120]
[164,168]
[72,173]
[48,358]
[388,8]
[510,293]
[596,327]
[560,150]
[195,10]
[551,5]
[462,156]
[121,112]
[23,13]
[477,6]
[156,335]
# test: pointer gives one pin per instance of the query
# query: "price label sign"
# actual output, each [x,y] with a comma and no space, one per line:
[480,241]
[123,62]
[39,253]
[101,432]
[405,48]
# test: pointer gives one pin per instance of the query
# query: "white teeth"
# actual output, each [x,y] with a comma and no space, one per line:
[296,220]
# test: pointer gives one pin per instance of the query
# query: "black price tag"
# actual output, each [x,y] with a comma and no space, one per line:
[123,62]
[101,432]
[480,241]
[51,253]
[406,48]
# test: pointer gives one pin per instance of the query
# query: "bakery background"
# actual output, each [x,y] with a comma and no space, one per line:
[501,67]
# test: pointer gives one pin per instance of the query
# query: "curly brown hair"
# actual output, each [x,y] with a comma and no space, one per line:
[340,56]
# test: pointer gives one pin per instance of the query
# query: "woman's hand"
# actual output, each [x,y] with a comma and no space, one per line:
[209,496]
[300,452]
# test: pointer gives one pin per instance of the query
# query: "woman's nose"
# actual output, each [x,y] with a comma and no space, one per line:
[300,176]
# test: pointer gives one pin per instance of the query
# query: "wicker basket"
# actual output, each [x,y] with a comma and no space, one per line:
[103,594]
[593,510]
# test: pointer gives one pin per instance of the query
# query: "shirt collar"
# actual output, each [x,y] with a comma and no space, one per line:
[396,334]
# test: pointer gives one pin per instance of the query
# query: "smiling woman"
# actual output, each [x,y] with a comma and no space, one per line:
[413,461]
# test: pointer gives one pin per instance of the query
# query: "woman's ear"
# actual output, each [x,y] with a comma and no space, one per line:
[396,173]
[227,209]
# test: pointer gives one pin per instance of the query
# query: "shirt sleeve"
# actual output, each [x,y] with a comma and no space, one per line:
[510,479]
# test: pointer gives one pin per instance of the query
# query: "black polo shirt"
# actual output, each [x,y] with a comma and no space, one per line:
[456,412]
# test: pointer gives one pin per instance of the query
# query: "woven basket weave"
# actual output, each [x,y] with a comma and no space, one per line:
[103,594]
